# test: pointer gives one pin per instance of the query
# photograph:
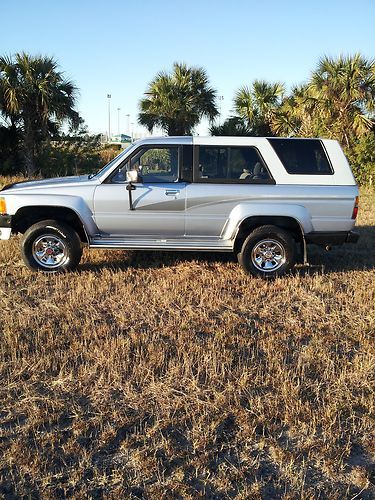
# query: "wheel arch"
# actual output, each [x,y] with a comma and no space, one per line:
[288,223]
[29,215]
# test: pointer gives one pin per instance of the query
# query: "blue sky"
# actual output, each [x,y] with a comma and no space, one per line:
[119,46]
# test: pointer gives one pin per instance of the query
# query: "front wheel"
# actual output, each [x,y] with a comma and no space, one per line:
[51,247]
[267,252]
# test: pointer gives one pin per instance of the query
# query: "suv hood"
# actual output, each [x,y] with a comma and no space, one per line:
[54,182]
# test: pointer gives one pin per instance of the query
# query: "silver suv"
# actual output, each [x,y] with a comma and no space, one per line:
[261,198]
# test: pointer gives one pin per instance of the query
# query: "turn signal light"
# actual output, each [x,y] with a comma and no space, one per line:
[355,209]
[3,206]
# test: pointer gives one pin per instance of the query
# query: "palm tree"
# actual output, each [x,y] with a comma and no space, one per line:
[35,97]
[344,89]
[296,115]
[177,101]
[233,126]
[337,102]
[257,105]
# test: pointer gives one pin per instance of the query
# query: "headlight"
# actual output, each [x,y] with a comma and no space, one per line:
[3,206]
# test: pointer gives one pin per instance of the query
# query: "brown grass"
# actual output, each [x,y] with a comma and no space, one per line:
[165,375]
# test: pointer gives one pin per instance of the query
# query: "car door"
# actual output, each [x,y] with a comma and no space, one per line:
[158,199]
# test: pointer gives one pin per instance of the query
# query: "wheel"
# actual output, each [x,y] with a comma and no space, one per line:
[267,252]
[51,246]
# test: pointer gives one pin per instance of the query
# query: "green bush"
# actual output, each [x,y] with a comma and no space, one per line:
[362,159]
[60,160]
[70,155]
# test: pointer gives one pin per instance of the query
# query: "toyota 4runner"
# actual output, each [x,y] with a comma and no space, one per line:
[262,198]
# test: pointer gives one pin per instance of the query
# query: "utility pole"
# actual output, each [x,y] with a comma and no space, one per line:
[109,116]
[127,124]
[221,99]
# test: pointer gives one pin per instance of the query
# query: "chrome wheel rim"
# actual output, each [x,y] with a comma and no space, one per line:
[49,251]
[268,255]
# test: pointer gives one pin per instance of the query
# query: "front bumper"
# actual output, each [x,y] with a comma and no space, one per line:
[5,227]
[332,238]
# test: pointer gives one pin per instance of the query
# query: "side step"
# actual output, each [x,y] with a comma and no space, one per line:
[171,244]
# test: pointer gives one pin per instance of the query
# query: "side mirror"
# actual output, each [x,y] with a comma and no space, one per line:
[132,176]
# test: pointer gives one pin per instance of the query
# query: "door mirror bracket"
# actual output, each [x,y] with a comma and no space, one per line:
[129,188]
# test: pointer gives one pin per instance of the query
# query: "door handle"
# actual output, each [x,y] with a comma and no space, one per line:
[172,192]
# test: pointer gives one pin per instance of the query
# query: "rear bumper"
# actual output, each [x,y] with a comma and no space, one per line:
[332,238]
[5,227]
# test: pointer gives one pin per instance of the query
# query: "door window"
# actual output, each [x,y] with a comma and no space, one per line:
[154,165]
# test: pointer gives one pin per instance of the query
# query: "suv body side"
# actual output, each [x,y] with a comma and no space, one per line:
[192,207]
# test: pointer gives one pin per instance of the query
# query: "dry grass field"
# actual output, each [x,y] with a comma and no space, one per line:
[165,375]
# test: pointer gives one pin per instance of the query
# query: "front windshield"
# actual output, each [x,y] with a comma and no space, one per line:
[108,166]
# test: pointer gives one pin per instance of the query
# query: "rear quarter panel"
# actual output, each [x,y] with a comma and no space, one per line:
[211,208]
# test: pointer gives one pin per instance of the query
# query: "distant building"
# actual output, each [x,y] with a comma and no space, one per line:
[119,139]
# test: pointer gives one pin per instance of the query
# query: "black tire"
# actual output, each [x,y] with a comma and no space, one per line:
[268,251]
[51,246]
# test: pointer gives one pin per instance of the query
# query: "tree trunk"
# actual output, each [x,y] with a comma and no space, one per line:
[178,129]
[28,149]
[29,162]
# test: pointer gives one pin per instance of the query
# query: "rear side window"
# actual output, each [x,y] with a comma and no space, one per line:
[230,164]
[302,156]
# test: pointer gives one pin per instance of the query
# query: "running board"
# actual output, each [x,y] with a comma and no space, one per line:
[174,245]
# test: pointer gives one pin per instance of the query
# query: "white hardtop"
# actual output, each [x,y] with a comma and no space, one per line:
[342,174]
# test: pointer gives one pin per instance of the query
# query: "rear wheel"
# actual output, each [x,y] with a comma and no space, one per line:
[51,246]
[267,252]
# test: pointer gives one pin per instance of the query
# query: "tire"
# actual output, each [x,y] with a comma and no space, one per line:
[267,252]
[51,246]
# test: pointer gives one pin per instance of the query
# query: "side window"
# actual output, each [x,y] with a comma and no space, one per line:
[158,164]
[231,164]
[212,163]
[302,156]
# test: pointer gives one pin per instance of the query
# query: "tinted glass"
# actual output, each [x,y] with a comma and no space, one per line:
[187,164]
[230,164]
[302,156]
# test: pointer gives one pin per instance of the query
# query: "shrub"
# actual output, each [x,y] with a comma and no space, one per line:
[362,159]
